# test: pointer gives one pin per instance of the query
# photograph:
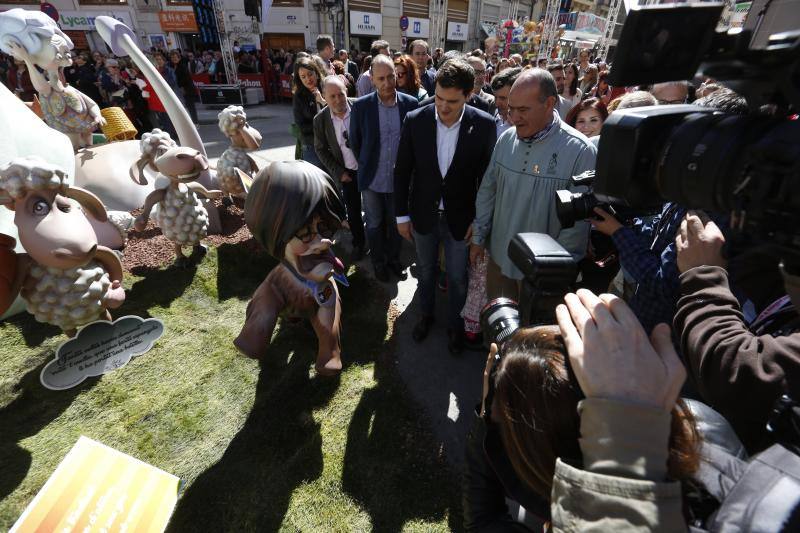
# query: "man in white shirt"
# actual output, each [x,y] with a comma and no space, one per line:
[332,144]
[444,150]
[501,87]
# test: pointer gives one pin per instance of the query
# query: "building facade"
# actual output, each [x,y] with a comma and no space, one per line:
[292,24]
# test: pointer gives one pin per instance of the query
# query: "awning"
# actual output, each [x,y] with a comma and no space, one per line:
[572,35]
[489,29]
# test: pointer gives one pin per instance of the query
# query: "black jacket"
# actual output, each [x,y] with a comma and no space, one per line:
[474,101]
[418,182]
[488,480]
[428,80]
[304,106]
[327,145]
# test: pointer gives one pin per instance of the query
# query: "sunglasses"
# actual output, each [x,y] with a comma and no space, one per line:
[307,234]
[346,138]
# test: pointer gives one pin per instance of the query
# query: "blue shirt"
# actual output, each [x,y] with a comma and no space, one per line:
[389,121]
[647,252]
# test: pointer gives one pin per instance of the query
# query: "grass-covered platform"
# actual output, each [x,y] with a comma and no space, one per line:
[258,447]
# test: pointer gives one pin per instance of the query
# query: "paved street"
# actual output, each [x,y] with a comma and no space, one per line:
[447,387]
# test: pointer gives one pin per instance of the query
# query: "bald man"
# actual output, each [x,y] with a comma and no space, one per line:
[530,162]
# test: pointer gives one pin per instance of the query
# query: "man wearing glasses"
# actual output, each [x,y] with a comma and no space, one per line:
[479,67]
[332,144]
[671,92]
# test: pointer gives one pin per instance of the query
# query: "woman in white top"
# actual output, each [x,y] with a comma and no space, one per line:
[572,94]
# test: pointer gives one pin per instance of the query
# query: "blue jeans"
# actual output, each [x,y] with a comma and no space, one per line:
[456,256]
[384,241]
[310,155]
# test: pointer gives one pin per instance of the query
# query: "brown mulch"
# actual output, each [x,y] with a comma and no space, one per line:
[150,250]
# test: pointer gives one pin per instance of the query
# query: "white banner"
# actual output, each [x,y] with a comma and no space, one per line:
[456,31]
[84,20]
[418,28]
[365,23]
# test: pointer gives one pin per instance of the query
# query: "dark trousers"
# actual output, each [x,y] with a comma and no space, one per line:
[384,241]
[352,201]
[456,255]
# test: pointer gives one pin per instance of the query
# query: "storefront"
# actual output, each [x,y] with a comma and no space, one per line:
[285,29]
[180,27]
[79,26]
[365,27]
[456,36]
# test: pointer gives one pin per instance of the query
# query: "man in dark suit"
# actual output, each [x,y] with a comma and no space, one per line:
[332,144]
[444,151]
[349,66]
[375,124]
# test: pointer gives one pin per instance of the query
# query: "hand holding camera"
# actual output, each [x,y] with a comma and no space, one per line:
[699,242]
[611,356]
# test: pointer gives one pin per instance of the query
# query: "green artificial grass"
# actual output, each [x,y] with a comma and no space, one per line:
[258,446]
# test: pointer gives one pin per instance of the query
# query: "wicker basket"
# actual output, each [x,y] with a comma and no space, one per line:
[118,126]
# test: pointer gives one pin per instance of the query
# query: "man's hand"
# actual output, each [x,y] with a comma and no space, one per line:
[468,234]
[611,356]
[345,177]
[476,252]
[608,225]
[404,229]
[699,242]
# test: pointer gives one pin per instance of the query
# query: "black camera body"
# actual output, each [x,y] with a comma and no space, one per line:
[549,273]
[747,166]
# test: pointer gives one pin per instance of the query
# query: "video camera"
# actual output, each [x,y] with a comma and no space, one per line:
[549,272]
[744,165]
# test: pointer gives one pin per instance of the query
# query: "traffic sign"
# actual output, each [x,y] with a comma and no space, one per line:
[404,23]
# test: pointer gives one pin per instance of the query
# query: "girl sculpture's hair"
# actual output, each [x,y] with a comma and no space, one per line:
[283,197]
[31,29]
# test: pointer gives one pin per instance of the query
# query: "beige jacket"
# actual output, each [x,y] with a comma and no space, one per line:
[623,486]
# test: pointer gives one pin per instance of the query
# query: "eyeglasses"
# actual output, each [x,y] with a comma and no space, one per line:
[307,234]
[346,138]
[673,102]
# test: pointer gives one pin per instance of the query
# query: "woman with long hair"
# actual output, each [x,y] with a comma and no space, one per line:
[602,91]
[572,94]
[530,417]
[408,77]
[307,101]
[588,116]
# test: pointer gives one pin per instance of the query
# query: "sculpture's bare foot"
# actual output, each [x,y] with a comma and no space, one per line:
[328,365]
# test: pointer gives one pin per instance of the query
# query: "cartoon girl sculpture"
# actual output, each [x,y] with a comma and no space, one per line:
[293,209]
[36,39]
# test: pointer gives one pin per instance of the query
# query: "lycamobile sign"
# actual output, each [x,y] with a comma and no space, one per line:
[83,21]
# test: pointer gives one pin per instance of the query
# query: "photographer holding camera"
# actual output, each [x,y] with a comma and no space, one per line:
[647,248]
[596,394]
[740,368]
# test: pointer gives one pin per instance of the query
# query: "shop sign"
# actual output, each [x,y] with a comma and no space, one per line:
[365,23]
[84,20]
[456,31]
[590,23]
[284,20]
[418,28]
[180,21]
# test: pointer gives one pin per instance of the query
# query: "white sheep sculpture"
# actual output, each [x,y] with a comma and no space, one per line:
[244,138]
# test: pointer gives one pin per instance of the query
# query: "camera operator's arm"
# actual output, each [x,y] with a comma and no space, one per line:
[739,373]
[631,385]
[576,239]
[484,211]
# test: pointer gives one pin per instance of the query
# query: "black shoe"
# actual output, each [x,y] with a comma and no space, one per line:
[358,253]
[397,269]
[381,274]
[421,328]
[455,341]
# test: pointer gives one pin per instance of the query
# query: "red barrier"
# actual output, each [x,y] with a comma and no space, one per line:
[255,80]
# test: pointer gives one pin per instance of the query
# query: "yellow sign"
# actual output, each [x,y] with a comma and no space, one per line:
[97,488]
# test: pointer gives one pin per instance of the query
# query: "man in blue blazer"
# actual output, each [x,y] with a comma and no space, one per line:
[375,124]
[444,151]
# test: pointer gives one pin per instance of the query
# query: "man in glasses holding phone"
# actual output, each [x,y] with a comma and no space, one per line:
[332,144]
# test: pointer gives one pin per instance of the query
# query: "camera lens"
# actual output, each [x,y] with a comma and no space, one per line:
[571,207]
[499,320]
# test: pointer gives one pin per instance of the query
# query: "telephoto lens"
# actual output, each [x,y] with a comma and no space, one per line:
[499,321]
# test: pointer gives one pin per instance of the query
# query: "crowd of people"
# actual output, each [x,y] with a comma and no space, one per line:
[590,423]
